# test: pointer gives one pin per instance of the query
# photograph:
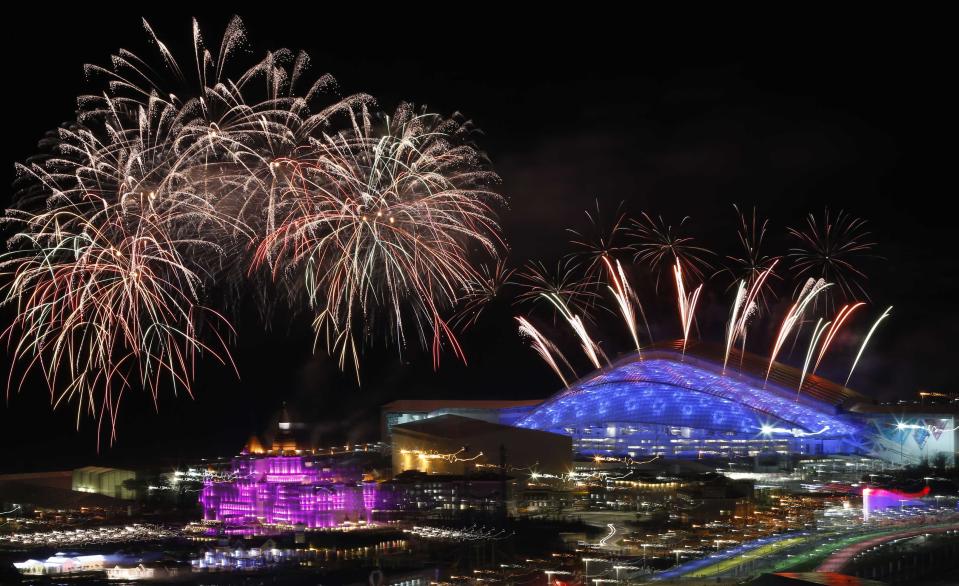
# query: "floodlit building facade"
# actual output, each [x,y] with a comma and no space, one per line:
[105,481]
[285,487]
[453,444]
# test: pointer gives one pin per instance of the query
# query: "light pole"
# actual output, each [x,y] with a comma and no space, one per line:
[586,561]
[551,573]
[621,568]
[645,545]
[678,552]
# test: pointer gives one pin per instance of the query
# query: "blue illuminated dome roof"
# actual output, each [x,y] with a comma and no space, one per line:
[691,391]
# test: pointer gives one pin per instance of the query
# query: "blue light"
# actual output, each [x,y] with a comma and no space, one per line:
[692,405]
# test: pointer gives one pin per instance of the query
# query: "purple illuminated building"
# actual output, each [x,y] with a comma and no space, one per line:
[286,487]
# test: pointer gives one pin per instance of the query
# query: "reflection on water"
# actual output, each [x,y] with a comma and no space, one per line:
[189,561]
[254,558]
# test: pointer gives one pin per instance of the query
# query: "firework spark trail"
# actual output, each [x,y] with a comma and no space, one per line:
[624,299]
[862,347]
[731,326]
[686,303]
[754,291]
[750,306]
[544,348]
[744,308]
[838,322]
[817,331]
[794,316]
[590,348]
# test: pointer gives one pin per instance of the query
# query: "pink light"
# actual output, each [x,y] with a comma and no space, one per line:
[281,490]
[875,499]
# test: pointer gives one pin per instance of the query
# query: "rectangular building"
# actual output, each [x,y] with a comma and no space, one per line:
[452,444]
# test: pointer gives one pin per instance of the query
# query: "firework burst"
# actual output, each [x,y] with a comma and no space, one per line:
[659,246]
[486,287]
[174,179]
[105,310]
[539,283]
[831,248]
[751,262]
[115,243]
[378,224]
[601,241]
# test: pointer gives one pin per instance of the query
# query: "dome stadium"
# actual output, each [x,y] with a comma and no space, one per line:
[685,404]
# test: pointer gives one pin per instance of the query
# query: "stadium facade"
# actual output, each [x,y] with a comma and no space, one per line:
[677,404]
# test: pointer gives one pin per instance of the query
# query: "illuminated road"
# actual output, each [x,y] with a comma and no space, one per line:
[826,546]
[718,569]
[604,542]
[796,550]
[726,560]
[838,560]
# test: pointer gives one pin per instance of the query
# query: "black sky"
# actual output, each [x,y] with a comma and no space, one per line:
[664,116]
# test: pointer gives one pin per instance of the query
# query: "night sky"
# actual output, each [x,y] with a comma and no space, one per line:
[663,116]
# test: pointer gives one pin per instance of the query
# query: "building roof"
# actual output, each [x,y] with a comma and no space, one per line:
[907,409]
[456,426]
[666,387]
[426,405]
[783,375]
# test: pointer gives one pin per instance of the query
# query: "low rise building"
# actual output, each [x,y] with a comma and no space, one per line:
[452,444]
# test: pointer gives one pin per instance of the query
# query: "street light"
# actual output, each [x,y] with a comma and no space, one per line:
[587,560]
[551,573]
[678,552]
[645,545]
